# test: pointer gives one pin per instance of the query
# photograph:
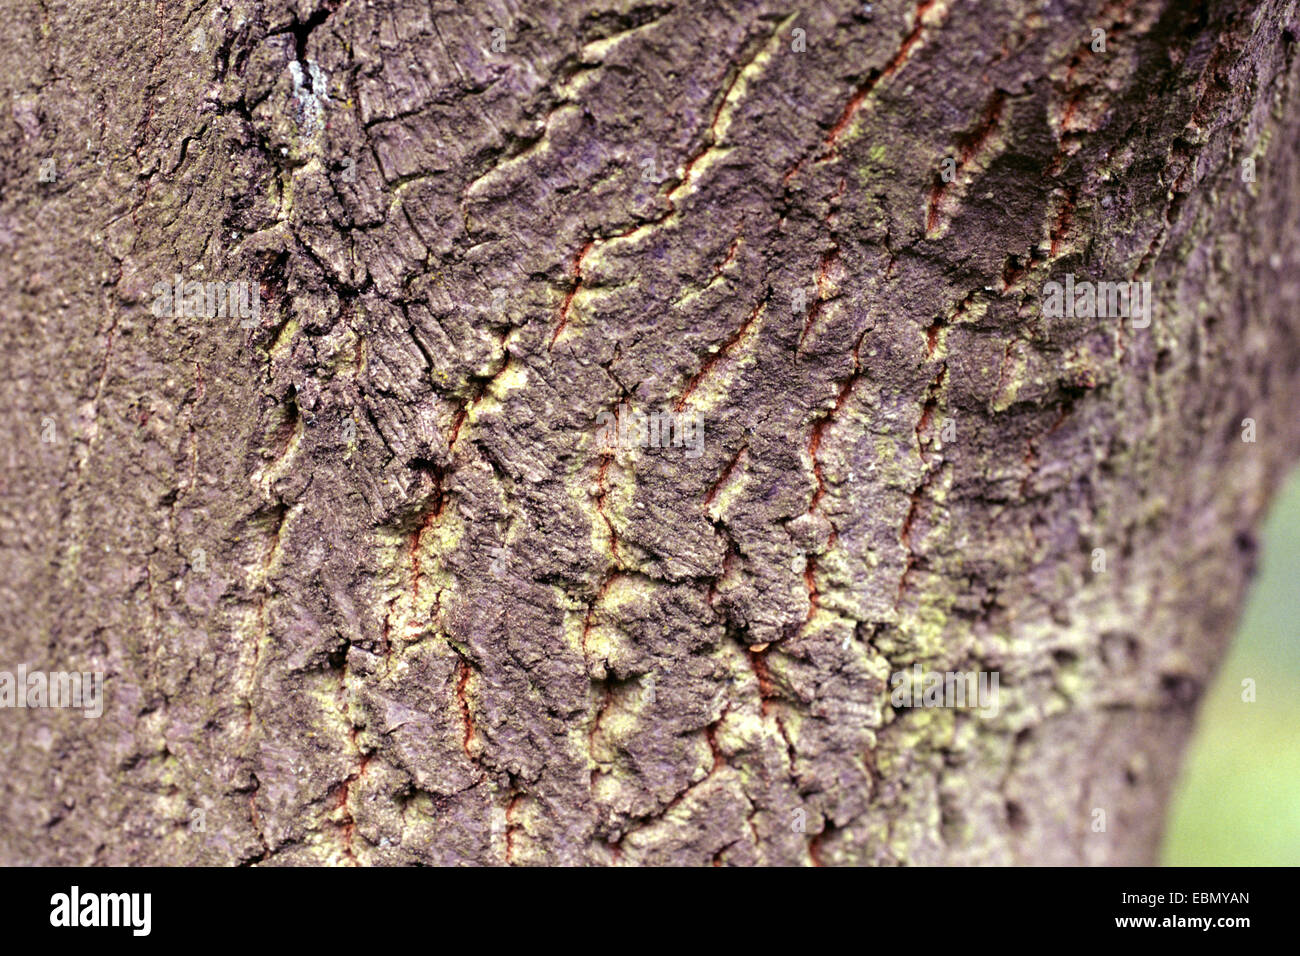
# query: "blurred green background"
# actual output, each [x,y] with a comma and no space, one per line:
[1238,803]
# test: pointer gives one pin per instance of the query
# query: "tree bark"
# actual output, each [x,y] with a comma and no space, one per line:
[369,586]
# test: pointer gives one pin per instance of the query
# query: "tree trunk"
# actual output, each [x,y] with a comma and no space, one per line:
[374,580]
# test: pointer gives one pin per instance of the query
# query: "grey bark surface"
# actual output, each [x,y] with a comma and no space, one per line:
[366,586]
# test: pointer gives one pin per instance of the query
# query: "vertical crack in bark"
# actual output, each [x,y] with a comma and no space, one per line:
[819,491]
[829,259]
[928,473]
[815,843]
[830,145]
[724,351]
[302,31]
[934,333]
[607,579]
[970,148]
[575,276]
[730,257]
[712,137]
[467,716]
[347,819]
[595,724]
[255,819]
[1070,132]
[511,827]
[765,687]
[716,760]
[724,477]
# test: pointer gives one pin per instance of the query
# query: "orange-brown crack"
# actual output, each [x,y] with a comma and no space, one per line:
[831,142]
[256,818]
[829,259]
[467,715]
[814,845]
[814,446]
[716,761]
[727,560]
[605,583]
[791,753]
[710,141]
[725,477]
[1116,14]
[730,256]
[810,584]
[823,269]
[711,735]
[764,677]
[1013,272]
[416,536]
[932,336]
[510,828]
[602,491]
[969,147]
[440,495]
[717,356]
[348,825]
[917,496]
[1064,218]
[575,274]
[905,538]
[479,392]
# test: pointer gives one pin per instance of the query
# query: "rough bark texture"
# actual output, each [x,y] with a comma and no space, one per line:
[366,586]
